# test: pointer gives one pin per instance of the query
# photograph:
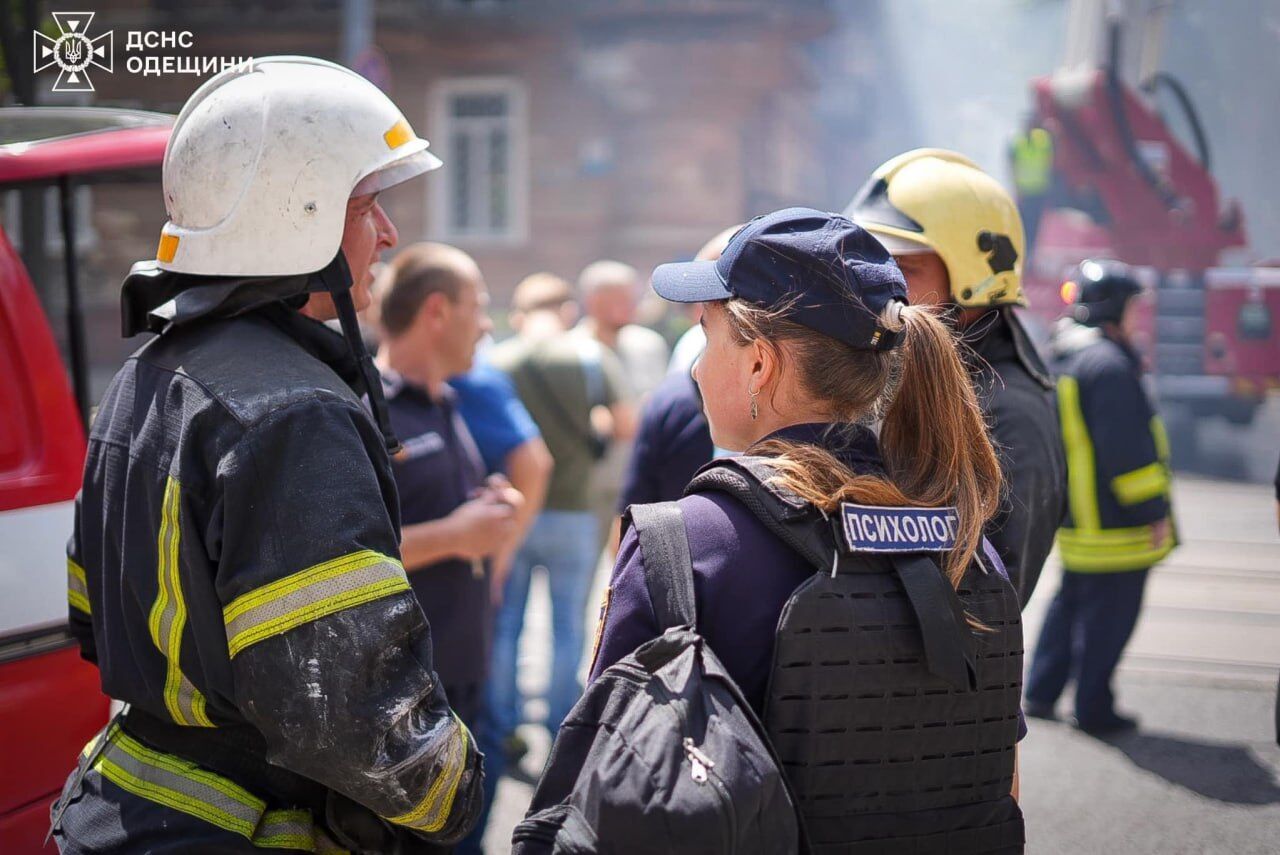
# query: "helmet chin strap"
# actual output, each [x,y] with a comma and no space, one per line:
[336,278]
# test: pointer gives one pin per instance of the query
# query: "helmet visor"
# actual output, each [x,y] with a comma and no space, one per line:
[898,245]
[397,172]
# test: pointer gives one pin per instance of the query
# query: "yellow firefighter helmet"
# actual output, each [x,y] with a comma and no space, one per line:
[933,200]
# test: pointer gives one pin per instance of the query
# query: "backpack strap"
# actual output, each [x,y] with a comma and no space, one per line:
[794,521]
[668,568]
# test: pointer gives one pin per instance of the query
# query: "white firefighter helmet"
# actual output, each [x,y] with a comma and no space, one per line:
[263,158]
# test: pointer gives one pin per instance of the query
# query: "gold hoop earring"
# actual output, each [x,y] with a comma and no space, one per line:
[755,409]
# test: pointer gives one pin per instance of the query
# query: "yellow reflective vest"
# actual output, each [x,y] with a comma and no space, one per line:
[1032,162]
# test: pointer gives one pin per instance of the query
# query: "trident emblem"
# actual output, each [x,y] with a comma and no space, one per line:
[73,51]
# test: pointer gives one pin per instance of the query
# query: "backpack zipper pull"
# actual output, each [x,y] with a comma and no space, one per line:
[700,761]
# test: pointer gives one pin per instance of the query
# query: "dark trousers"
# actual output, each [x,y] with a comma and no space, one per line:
[468,701]
[1085,631]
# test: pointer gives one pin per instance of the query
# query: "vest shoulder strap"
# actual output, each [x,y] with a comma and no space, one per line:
[949,646]
[668,568]
[749,479]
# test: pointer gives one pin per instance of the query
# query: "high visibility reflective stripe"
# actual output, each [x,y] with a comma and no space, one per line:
[285,829]
[1081,486]
[311,594]
[1141,485]
[1087,554]
[1161,439]
[77,587]
[178,784]
[1113,549]
[183,786]
[184,702]
[432,812]
[1087,547]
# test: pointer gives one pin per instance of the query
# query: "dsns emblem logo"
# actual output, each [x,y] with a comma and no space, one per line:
[74,51]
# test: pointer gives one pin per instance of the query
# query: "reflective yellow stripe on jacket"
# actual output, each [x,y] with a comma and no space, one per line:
[1087,547]
[309,595]
[432,812]
[77,587]
[1141,485]
[184,702]
[183,786]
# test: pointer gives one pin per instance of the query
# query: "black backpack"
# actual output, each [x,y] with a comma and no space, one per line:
[662,753]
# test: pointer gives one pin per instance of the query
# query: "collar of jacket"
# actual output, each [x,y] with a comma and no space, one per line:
[318,339]
[155,300]
[999,337]
[854,445]
[1070,337]
[394,385]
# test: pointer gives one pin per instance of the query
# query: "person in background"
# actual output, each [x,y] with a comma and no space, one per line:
[674,441]
[510,444]
[1120,517]
[571,385]
[504,432]
[690,345]
[1031,161]
[957,237]
[609,292]
[455,520]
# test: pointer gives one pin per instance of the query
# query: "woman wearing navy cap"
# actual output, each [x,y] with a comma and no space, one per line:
[809,342]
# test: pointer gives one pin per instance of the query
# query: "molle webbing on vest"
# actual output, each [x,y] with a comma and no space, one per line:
[860,723]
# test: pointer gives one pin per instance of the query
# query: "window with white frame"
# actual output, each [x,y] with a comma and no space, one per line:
[479,128]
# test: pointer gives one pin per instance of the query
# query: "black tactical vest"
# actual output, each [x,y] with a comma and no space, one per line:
[894,718]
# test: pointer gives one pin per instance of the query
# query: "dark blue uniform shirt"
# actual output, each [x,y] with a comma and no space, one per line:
[742,574]
[436,472]
[673,443]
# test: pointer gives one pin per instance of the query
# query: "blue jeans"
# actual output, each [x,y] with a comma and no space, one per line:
[1085,631]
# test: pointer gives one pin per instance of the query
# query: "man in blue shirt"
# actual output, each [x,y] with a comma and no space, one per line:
[510,444]
[498,422]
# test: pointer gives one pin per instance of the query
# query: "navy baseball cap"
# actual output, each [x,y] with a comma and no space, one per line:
[834,275]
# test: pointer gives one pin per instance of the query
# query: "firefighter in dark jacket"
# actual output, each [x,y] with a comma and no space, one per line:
[234,569]
[1120,520]
[957,236]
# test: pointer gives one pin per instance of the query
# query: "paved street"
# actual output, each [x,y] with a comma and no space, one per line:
[1203,774]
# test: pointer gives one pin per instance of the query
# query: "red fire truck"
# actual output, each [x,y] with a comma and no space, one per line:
[1125,187]
[50,702]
